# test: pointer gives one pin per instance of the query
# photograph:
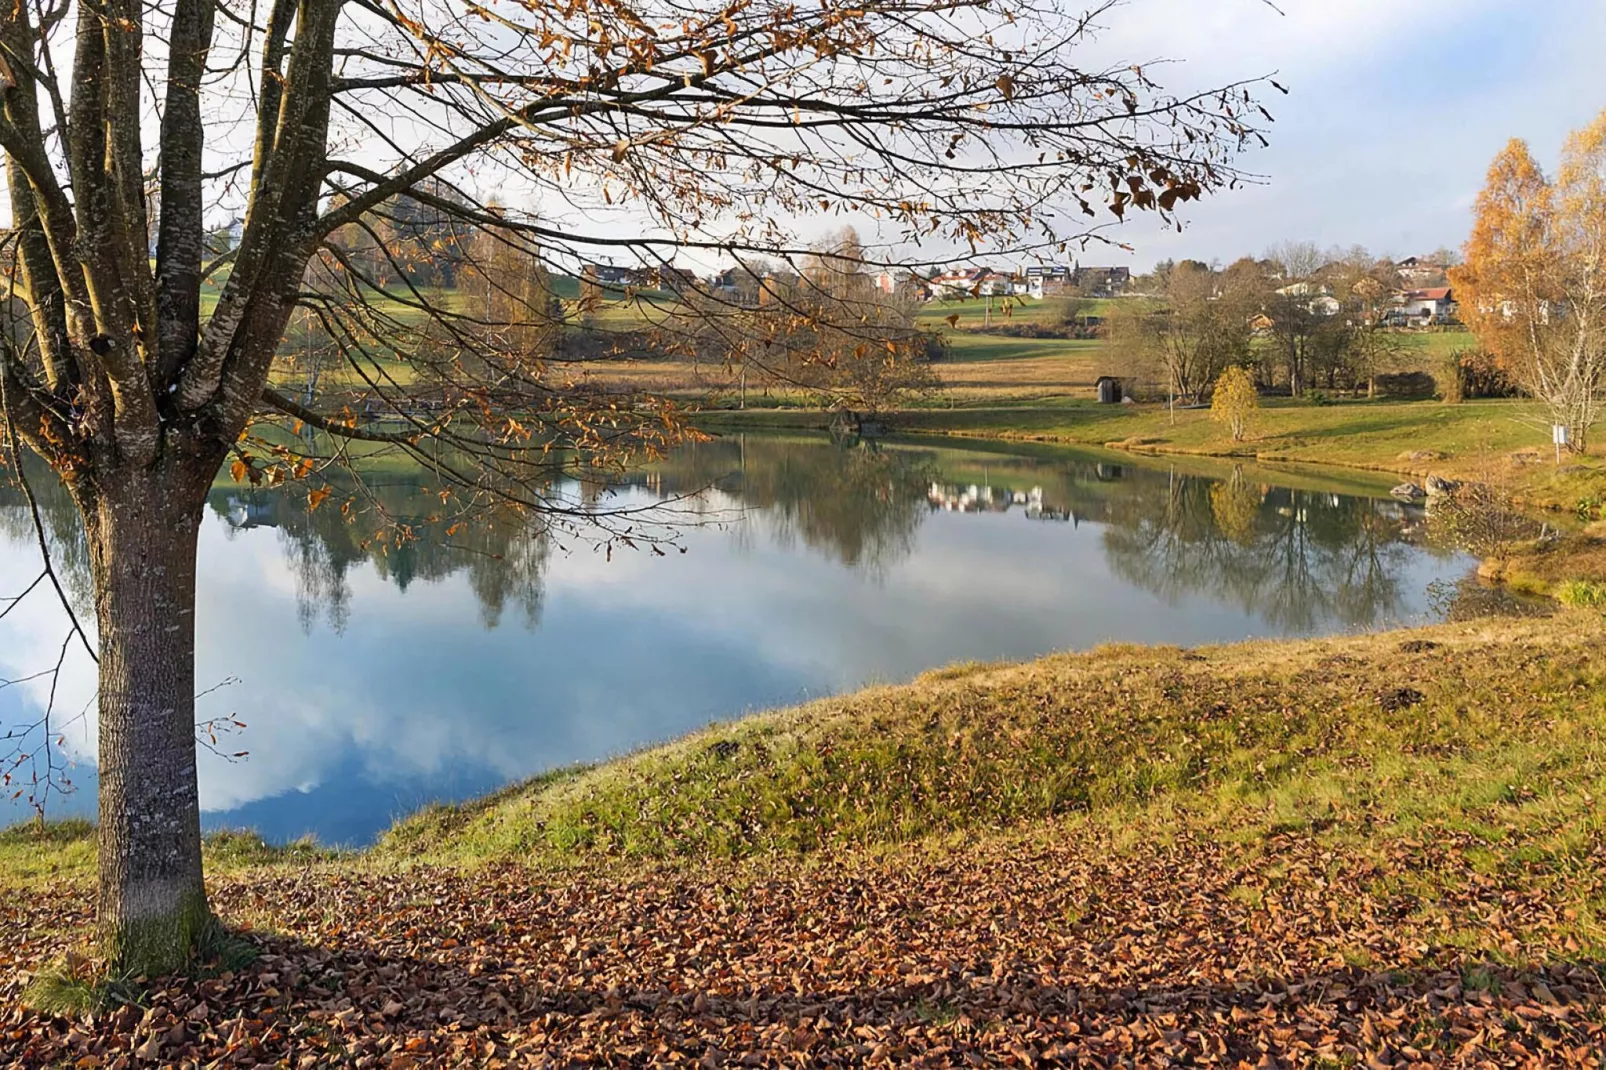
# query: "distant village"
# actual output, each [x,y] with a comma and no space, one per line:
[1421,294]
[1419,286]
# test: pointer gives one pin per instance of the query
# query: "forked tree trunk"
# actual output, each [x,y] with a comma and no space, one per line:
[142,537]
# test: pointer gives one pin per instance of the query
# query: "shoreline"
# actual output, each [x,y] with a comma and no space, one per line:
[452,831]
[1473,441]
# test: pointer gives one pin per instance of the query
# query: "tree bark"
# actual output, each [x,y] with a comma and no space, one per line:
[142,533]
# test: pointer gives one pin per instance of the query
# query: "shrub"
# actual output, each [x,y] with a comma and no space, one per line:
[1234,401]
[1405,385]
[1476,373]
[1581,593]
[1455,379]
[1482,519]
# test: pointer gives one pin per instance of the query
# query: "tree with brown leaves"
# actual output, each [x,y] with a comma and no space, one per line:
[715,127]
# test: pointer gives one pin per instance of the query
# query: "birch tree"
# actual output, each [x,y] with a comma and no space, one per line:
[1533,284]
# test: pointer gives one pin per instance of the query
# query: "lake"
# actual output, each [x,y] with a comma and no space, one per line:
[374,677]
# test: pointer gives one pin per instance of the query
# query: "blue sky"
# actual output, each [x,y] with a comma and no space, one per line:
[1394,112]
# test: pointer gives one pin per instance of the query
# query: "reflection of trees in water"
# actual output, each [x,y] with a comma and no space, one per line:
[504,555]
[1470,598]
[860,504]
[1297,558]
[320,581]
[1235,506]
[69,549]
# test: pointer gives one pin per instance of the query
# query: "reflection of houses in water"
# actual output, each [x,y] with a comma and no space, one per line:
[1305,508]
[971,499]
[244,513]
[977,498]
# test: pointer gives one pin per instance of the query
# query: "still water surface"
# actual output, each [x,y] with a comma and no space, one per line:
[376,678]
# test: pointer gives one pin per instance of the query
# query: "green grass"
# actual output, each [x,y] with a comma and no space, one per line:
[1283,730]
[78,985]
[1431,349]
[1581,593]
[970,348]
[972,312]
[69,991]
[35,855]
[1570,569]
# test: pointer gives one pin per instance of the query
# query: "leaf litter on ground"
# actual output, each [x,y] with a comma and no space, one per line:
[1064,945]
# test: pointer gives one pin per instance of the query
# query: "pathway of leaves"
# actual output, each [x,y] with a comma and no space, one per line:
[1009,952]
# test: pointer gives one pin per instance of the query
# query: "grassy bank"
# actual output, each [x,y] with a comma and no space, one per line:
[1570,569]
[35,856]
[1445,720]
[1442,719]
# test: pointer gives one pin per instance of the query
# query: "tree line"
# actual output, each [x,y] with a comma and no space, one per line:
[1300,319]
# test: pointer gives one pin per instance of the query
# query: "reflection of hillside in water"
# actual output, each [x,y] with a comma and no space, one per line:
[1300,559]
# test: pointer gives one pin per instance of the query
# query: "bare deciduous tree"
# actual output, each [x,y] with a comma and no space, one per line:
[1198,325]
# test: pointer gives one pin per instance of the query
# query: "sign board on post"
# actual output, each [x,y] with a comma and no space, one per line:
[1558,435]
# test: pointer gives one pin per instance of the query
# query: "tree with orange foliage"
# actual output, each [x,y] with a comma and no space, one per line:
[1533,286]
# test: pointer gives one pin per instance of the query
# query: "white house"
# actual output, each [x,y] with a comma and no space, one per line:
[1321,300]
[1414,269]
[1043,280]
[1048,280]
[994,284]
[1436,303]
[958,282]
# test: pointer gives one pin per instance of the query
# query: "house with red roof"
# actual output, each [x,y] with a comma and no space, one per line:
[1436,304]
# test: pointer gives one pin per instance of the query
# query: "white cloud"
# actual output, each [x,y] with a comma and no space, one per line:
[1393,115]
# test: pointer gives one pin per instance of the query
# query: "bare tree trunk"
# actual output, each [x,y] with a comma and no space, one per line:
[142,532]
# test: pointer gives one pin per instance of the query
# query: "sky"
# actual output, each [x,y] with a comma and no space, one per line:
[1393,114]
[1394,111]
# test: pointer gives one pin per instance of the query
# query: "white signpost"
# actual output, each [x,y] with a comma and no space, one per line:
[1558,435]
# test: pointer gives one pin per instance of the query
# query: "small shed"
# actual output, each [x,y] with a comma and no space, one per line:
[1110,390]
